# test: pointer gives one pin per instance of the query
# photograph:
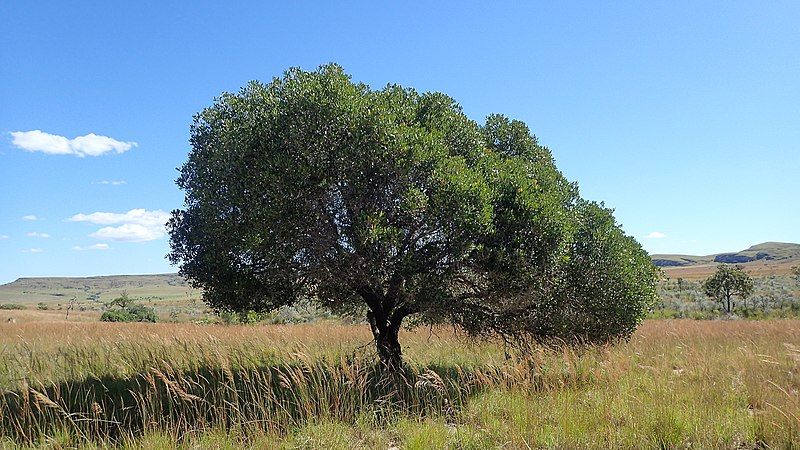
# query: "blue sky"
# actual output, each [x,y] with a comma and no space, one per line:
[684,117]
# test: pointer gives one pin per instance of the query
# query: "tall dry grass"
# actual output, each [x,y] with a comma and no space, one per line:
[675,383]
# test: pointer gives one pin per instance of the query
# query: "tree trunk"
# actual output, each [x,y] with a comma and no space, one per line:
[385,331]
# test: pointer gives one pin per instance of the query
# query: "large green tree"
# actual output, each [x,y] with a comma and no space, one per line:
[315,188]
[726,282]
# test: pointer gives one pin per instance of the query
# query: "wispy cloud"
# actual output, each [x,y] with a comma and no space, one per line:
[111,182]
[36,234]
[33,250]
[655,235]
[53,144]
[3,236]
[136,225]
[30,217]
[92,247]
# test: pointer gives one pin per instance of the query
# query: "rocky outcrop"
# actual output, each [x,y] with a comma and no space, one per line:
[733,258]
[670,263]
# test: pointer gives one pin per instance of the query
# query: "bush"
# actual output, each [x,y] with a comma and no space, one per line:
[12,306]
[116,315]
[300,313]
[134,313]
[128,311]
[143,313]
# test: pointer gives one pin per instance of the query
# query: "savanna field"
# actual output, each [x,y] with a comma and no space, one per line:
[674,384]
[330,226]
[319,216]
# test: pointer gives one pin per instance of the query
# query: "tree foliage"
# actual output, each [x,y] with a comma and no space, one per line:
[315,188]
[125,309]
[727,282]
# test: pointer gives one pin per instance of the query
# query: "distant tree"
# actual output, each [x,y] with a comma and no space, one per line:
[726,283]
[123,301]
[124,309]
[314,189]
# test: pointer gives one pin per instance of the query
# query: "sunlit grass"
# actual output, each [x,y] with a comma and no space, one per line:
[675,384]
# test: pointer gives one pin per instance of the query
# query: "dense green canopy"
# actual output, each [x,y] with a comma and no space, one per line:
[315,188]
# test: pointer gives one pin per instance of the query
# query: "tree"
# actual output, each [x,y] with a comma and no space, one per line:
[123,301]
[314,188]
[124,309]
[727,282]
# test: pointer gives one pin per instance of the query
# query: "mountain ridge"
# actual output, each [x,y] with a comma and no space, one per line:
[765,251]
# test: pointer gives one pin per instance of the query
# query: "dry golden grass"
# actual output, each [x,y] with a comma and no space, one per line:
[20,316]
[756,269]
[720,384]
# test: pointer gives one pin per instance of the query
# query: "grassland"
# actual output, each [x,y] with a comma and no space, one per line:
[169,287]
[47,298]
[755,269]
[675,384]
[67,380]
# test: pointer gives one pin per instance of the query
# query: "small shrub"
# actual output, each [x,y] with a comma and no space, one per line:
[143,313]
[12,306]
[116,315]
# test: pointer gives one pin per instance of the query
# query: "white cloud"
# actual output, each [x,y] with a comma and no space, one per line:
[3,236]
[138,216]
[136,225]
[33,250]
[92,247]
[129,232]
[36,234]
[53,144]
[655,235]
[30,217]
[111,182]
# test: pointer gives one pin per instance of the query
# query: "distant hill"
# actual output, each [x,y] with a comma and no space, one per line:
[169,286]
[768,251]
[763,259]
